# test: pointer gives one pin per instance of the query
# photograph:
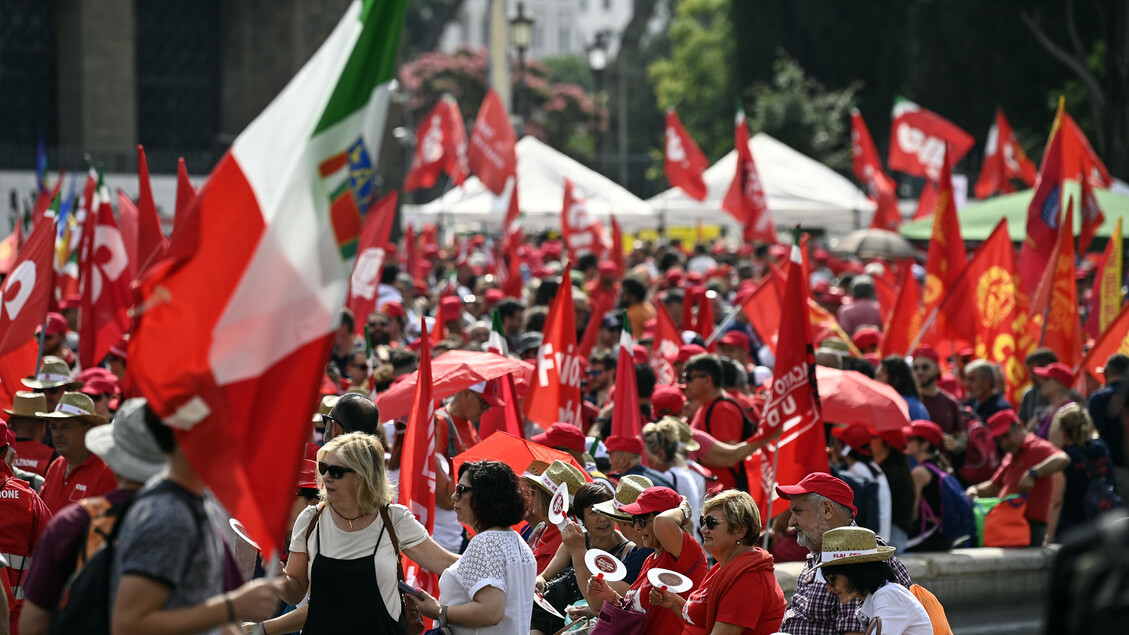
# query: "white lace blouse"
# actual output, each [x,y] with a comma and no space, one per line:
[500,559]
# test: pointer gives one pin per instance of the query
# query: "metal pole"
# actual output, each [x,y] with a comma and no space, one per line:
[771,488]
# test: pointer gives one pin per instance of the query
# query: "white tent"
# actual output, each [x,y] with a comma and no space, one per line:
[541,172]
[800,190]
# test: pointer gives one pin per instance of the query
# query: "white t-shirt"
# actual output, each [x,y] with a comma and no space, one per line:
[684,484]
[348,545]
[500,559]
[899,609]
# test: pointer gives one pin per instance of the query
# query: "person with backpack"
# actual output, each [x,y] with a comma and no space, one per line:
[1090,486]
[77,532]
[850,446]
[23,517]
[718,414]
[942,513]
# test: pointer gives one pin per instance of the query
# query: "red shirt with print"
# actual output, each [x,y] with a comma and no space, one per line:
[23,517]
[92,478]
[33,456]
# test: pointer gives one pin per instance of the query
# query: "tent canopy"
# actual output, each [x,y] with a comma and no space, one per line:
[977,220]
[541,172]
[800,190]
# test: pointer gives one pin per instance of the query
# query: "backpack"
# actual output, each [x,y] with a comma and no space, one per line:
[937,618]
[85,604]
[957,520]
[981,458]
[748,428]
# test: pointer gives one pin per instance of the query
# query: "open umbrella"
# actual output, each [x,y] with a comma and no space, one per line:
[874,243]
[454,371]
[515,452]
[849,397]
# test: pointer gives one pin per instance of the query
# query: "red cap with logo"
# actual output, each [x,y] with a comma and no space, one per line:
[653,499]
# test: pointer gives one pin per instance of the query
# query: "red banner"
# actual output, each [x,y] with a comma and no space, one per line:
[554,394]
[683,161]
[1004,160]
[868,169]
[371,253]
[581,231]
[745,199]
[492,156]
[918,138]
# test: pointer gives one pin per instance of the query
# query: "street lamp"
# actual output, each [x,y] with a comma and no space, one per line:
[521,32]
[597,63]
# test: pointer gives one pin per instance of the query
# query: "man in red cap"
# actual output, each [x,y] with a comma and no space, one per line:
[1033,405]
[1055,381]
[23,517]
[564,437]
[819,503]
[102,387]
[685,353]
[735,345]
[867,338]
[626,456]
[54,340]
[1026,469]
[944,409]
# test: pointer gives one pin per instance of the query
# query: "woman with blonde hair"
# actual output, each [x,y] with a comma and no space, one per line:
[661,443]
[740,593]
[344,549]
[1089,463]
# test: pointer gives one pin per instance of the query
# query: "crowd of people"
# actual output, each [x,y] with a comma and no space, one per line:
[94,483]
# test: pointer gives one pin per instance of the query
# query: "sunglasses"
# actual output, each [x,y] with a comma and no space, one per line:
[326,419]
[639,522]
[461,489]
[336,472]
[708,522]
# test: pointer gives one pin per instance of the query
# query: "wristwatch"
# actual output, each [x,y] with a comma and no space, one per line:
[1033,473]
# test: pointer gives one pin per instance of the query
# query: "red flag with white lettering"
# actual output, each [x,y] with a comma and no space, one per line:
[745,198]
[372,249]
[664,350]
[683,161]
[868,169]
[918,138]
[554,394]
[105,272]
[429,158]
[582,232]
[492,156]
[27,289]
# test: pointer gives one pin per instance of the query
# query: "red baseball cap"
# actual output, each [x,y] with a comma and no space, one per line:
[823,484]
[927,430]
[639,354]
[856,436]
[393,310]
[99,384]
[450,308]
[561,435]
[1057,371]
[668,400]
[928,352]
[893,438]
[619,443]
[1002,421]
[308,474]
[7,437]
[56,324]
[686,351]
[735,338]
[607,268]
[494,296]
[653,499]
[866,337]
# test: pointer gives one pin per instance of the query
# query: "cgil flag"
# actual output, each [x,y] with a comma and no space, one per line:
[106,277]
[440,147]
[582,231]
[1115,339]
[918,138]
[554,393]
[250,314]
[1043,214]
[492,154]
[1056,298]
[683,160]
[745,198]
[27,289]
[373,251]
[868,169]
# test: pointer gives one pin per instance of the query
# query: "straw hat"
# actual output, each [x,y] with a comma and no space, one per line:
[327,403]
[75,405]
[685,435]
[555,475]
[53,372]
[629,489]
[27,404]
[850,545]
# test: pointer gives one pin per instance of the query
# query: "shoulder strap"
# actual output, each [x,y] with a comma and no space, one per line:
[385,517]
[313,524]
[748,427]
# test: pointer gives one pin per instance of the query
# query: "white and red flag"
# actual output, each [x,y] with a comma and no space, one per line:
[745,198]
[249,316]
[554,394]
[1004,160]
[683,161]
[868,169]
[664,350]
[918,138]
[372,251]
[440,147]
[27,289]
[454,142]
[105,273]
[582,232]
[492,154]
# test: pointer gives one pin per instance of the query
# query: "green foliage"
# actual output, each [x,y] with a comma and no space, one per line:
[799,112]
[570,69]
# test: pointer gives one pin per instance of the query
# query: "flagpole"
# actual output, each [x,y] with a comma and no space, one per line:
[1043,328]
[42,337]
[772,487]
[732,315]
[924,327]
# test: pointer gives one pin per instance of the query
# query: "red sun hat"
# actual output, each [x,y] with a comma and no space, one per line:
[894,438]
[620,443]
[1001,422]
[561,435]
[653,499]
[56,324]
[1057,371]
[823,484]
[866,337]
[927,430]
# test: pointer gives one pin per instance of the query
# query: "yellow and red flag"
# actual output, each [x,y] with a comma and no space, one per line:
[1107,287]
[946,258]
[1056,298]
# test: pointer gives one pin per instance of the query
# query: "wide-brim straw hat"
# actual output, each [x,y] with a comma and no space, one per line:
[555,475]
[850,545]
[27,404]
[628,491]
[53,372]
[75,405]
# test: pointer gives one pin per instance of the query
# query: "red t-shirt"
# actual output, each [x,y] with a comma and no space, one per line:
[726,424]
[23,517]
[752,599]
[33,456]
[92,478]
[1032,452]
[691,563]
[467,436]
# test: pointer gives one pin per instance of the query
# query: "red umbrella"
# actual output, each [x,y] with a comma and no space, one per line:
[454,371]
[849,397]
[515,452]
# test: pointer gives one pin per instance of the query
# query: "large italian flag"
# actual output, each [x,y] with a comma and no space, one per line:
[233,339]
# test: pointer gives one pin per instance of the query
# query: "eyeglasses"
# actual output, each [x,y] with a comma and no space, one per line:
[482,403]
[326,419]
[639,522]
[336,472]
[58,390]
[708,522]
[461,489]
[594,372]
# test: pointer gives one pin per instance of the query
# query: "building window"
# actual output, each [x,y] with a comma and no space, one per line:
[564,43]
[28,82]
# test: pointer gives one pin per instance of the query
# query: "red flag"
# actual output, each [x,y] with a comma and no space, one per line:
[151,241]
[186,225]
[946,258]
[615,254]
[868,169]
[429,158]
[904,321]
[371,252]
[106,295]
[508,417]
[1079,156]
[1107,286]
[1092,217]
[492,156]
[1004,160]
[704,324]
[130,216]
[454,142]
[581,231]
[1043,215]
[927,202]
[683,161]
[554,394]
[762,307]
[627,420]
[745,198]
[27,289]
[665,347]
[15,366]
[1057,297]
[417,464]
[601,304]
[1114,340]
[918,138]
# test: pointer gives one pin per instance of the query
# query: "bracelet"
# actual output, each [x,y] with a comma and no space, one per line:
[263,626]
[230,608]
[443,616]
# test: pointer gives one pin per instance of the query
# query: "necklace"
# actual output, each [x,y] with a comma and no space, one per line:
[349,520]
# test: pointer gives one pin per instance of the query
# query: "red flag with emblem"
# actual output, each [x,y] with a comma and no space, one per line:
[868,169]
[581,231]
[683,161]
[106,295]
[371,253]
[745,198]
[1043,215]
[1056,297]
[429,158]
[554,393]
[417,465]
[27,289]
[1079,156]
[1004,160]
[1107,286]
[151,242]
[905,320]
[918,138]
[1092,217]
[492,156]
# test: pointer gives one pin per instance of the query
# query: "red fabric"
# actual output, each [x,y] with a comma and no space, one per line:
[1004,160]
[762,308]
[946,258]
[106,297]
[554,394]
[926,202]
[1107,287]
[868,169]
[464,428]
[92,478]
[27,290]
[743,592]
[726,424]
[186,226]
[429,157]
[454,142]
[615,253]
[918,138]
[683,160]
[1092,217]
[417,459]
[627,420]
[1079,155]
[582,232]
[371,252]
[1015,466]
[601,302]
[704,324]
[151,241]
[546,546]
[33,456]
[9,249]
[23,517]
[691,562]
[1057,297]
[14,366]
[491,155]
[745,199]
[1111,341]
[905,320]
[1043,215]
